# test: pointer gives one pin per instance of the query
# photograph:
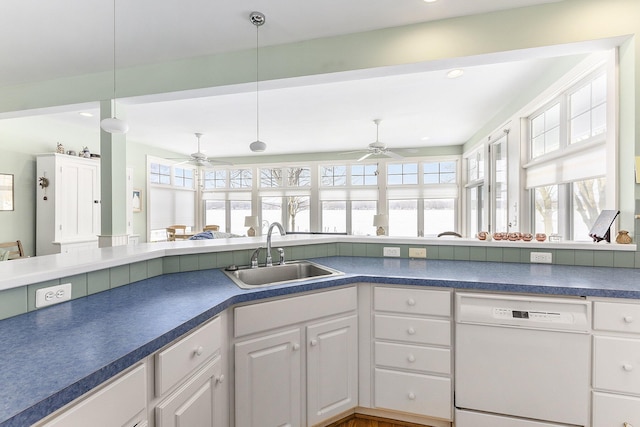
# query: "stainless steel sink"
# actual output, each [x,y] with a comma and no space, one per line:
[249,278]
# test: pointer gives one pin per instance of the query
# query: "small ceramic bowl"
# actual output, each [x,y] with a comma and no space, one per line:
[527,237]
[541,237]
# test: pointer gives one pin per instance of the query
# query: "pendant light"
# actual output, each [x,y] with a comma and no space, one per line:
[257,146]
[114,124]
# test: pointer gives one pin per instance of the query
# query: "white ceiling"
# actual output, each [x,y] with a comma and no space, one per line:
[71,37]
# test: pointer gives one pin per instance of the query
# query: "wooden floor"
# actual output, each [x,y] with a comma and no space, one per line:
[359,420]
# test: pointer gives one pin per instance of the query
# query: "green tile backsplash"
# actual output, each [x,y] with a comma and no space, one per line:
[20,300]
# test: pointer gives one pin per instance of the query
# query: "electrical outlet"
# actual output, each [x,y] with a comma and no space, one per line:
[417,252]
[541,257]
[388,251]
[53,295]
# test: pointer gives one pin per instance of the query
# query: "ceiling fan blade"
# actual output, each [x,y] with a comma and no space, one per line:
[364,157]
[392,154]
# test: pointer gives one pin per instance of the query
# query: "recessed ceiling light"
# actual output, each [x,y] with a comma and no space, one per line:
[425,138]
[85,114]
[430,1]
[453,74]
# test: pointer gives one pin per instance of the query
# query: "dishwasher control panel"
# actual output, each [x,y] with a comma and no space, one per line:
[531,312]
[535,316]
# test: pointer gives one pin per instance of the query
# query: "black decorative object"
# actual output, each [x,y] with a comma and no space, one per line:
[601,229]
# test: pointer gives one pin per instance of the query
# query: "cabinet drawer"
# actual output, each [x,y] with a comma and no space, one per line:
[413,393]
[425,359]
[176,362]
[617,364]
[618,317]
[412,301]
[263,316]
[413,330]
[612,410]
[127,394]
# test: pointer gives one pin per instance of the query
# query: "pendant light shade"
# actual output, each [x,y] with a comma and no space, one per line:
[257,146]
[114,124]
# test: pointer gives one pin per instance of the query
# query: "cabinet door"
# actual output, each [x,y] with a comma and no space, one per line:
[79,190]
[196,402]
[267,380]
[332,368]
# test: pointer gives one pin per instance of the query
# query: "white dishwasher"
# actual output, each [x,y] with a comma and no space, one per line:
[522,361]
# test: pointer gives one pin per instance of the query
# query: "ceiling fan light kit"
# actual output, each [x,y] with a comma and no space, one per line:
[114,124]
[379,148]
[257,19]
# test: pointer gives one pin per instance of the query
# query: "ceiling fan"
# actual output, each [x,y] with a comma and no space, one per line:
[378,148]
[200,159]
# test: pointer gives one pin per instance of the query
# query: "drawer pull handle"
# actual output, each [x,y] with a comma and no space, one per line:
[628,319]
[220,379]
[295,347]
[411,396]
[411,302]
[411,331]
[627,367]
[199,350]
[411,358]
[313,342]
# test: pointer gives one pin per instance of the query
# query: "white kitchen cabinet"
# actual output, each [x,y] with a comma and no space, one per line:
[412,351]
[268,380]
[68,209]
[121,402]
[303,372]
[616,363]
[190,381]
[196,402]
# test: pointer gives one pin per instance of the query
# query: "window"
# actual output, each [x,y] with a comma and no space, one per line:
[499,215]
[568,188]
[159,174]
[439,216]
[588,110]
[403,218]
[364,174]
[402,173]
[271,211]
[475,192]
[545,131]
[183,177]
[215,213]
[240,178]
[298,214]
[215,179]
[362,213]
[334,216]
[439,172]
[333,176]
[271,178]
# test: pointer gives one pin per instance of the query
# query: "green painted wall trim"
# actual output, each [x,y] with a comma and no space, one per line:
[20,300]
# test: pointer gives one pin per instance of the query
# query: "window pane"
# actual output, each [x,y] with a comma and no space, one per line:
[430,178]
[552,117]
[298,214]
[599,120]
[552,140]
[581,128]
[333,176]
[546,209]
[589,200]
[334,216]
[580,101]
[214,213]
[364,174]
[403,218]
[362,213]
[271,177]
[239,209]
[298,177]
[432,167]
[240,178]
[538,146]
[475,210]
[271,211]
[599,90]
[537,126]
[439,216]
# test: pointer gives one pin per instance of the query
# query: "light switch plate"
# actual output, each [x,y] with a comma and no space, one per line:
[53,295]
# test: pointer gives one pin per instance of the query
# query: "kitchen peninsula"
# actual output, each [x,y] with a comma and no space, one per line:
[54,355]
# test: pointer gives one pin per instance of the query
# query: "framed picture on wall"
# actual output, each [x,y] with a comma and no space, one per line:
[137,200]
[6,192]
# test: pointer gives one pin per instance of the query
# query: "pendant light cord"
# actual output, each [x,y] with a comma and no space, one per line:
[257,83]
[114,59]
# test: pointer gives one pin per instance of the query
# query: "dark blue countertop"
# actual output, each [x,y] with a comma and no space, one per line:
[51,356]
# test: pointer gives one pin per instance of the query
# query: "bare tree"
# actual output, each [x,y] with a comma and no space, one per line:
[589,200]
[546,203]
